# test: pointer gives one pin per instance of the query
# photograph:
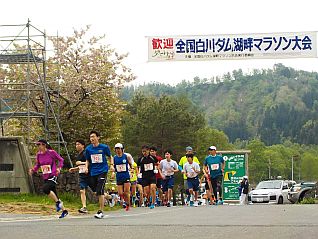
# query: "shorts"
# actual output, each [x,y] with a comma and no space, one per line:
[133,182]
[122,181]
[49,185]
[193,183]
[98,183]
[83,181]
[147,181]
[167,183]
[159,182]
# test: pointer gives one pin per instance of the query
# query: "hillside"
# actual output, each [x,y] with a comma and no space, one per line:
[272,104]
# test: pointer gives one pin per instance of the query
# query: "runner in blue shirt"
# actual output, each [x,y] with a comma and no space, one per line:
[123,164]
[214,168]
[96,155]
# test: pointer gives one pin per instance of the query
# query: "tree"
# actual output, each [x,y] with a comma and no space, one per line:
[89,74]
[166,122]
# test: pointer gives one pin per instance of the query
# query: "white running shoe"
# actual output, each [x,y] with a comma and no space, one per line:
[195,203]
[99,214]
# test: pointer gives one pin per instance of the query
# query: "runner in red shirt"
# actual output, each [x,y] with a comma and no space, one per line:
[153,152]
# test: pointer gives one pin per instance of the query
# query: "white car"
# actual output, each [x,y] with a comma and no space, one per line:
[271,191]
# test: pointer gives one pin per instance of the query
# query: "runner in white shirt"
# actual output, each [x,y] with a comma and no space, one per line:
[167,168]
[192,169]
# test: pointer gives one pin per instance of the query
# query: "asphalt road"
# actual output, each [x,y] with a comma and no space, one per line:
[226,221]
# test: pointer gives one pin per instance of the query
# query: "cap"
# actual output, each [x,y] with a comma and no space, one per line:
[212,148]
[42,141]
[119,145]
[245,177]
[189,148]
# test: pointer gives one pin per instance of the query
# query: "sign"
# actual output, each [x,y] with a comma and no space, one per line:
[233,47]
[235,169]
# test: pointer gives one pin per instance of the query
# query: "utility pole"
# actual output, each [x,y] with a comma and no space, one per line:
[292,168]
[269,168]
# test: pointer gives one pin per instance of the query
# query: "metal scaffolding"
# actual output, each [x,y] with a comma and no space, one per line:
[25,99]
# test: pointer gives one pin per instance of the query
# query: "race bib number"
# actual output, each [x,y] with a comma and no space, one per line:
[81,168]
[97,158]
[46,169]
[191,174]
[121,168]
[215,166]
[148,167]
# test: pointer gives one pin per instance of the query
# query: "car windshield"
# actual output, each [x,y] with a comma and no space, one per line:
[269,185]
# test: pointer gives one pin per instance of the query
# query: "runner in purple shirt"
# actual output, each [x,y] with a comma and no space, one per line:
[46,160]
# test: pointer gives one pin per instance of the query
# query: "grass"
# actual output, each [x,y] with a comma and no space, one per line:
[41,204]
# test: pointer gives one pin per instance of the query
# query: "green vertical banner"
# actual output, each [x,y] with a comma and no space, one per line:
[233,172]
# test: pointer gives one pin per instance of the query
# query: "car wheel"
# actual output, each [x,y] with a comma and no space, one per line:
[280,200]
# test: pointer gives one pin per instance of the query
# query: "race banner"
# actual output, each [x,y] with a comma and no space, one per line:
[233,47]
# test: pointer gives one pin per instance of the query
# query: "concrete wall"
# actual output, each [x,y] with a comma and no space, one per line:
[14,165]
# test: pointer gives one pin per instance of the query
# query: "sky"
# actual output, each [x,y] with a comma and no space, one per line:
[127,23]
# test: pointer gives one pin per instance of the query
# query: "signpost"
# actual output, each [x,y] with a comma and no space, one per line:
[236,166]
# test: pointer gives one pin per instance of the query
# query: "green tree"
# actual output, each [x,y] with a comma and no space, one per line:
[166,122]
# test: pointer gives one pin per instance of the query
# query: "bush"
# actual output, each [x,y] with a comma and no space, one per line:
[308,201]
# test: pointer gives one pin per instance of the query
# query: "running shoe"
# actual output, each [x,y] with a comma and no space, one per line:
[59,205]
[99,214]
[124,205]
[152,206]
[112,203]
[64,214]
[127,208]
[220,202]
[191,203]
[83,210]
[143,204]
[168,204]
[195,203]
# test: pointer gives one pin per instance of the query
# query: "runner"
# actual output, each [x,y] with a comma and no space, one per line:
[133,181]
[122,164]
[153,152]
[167,168]
[83,177]
[46,160]
[182,162]
[147,164]
[207,181]
[96,155]
[215,165]
[192,169]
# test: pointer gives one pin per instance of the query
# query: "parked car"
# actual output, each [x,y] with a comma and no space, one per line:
[271,191]
[299,191]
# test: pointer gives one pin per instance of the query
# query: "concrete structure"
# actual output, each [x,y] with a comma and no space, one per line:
[14,165]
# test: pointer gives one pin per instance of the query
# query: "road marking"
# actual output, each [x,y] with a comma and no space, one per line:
[55,218]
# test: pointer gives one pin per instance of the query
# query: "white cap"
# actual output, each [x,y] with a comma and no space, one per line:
[245,177]
[119,145]
[212,148]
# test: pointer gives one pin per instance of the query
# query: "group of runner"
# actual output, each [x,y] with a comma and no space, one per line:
[139,183]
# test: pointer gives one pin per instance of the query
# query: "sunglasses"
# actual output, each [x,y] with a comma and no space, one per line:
[40,144]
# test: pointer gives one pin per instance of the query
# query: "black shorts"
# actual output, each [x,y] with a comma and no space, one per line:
[159,183]
[122,182]
[98,183]
[147,181]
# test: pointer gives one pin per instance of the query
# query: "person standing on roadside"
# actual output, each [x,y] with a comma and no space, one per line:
[244,186]
[46,159]
[97,155]
[83,177]
[214,166]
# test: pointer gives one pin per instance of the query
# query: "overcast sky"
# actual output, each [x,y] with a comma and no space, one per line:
[126,24]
